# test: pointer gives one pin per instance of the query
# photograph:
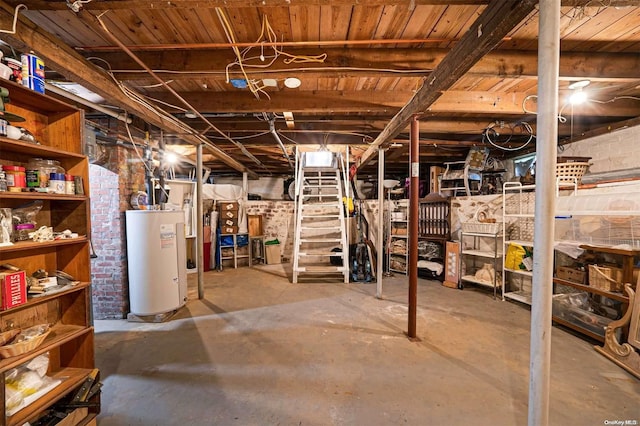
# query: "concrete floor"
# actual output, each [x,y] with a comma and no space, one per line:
[259,350]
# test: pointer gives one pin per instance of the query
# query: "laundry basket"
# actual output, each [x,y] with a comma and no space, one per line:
[565,172]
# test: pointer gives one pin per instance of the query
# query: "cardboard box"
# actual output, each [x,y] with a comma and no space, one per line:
[254,221]
[224,206]
[229,229]
[571,274]
[13,285]
[228,222]
[272,254]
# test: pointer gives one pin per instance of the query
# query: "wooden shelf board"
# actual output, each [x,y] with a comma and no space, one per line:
[37,150]
[36,300]
[616,296]
[41,196]
[71,378]
[31,245]
[60,334]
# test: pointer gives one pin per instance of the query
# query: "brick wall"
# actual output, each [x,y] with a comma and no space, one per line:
[111,189]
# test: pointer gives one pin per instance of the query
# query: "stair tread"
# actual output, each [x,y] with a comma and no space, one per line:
[323,254]
[320,240]
[312,268]
[321,228]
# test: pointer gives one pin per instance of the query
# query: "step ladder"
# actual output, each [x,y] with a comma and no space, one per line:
[320,219]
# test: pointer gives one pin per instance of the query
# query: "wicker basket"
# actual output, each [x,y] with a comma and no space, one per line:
[7,336]
[479,224]
[566,171]
[481,227]
[600,277]
[15,349]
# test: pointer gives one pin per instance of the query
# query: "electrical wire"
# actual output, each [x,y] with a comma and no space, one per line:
[15,19]
[164,114]
[266,33]
[257,135]
[490,132]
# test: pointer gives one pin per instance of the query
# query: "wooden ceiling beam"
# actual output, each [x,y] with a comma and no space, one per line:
[200,4]
[74,67]
[495,22]
[494,104]
[372,62]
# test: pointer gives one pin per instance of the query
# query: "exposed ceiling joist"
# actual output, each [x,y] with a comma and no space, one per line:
[500,17]
[373,62]
[197,4]
[74,67]
[376,101]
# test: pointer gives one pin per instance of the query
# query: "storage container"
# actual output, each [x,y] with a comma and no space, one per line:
[16,177]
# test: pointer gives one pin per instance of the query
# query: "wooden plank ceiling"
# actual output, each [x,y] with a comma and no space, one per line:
[358,63]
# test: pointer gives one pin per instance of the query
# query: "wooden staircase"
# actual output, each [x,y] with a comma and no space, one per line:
[320,231]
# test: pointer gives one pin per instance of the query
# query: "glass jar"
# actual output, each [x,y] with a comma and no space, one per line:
[16,179]
[39,170]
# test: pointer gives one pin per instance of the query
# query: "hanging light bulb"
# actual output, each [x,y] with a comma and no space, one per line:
[578,97]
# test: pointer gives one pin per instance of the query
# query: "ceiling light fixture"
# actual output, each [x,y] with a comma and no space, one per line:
[170,157]
[190,114]
[579,84]
[578,97]
[292,82]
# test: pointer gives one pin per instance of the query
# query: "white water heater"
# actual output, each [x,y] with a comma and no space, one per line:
[156,254]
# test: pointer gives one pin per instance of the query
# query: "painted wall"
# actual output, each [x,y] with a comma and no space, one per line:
[268,188]
[619,150]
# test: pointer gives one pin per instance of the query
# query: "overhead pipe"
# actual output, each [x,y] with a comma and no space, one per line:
[73,97]
[272,129]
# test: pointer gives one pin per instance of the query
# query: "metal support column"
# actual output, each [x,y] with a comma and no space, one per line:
[199,224]
[380,240]
[546,145]
[414,193]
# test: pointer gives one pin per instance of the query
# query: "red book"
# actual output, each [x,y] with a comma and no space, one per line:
[14,289]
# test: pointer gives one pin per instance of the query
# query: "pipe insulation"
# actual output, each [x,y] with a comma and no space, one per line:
[272,129]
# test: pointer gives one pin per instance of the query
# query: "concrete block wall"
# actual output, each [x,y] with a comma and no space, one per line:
[619,150]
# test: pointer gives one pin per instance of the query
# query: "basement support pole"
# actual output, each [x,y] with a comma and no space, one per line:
[199,224]
[414,193]
[381,210]
[546,143]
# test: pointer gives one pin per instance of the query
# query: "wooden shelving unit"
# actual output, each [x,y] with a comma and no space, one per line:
[434,227]
[58,127]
